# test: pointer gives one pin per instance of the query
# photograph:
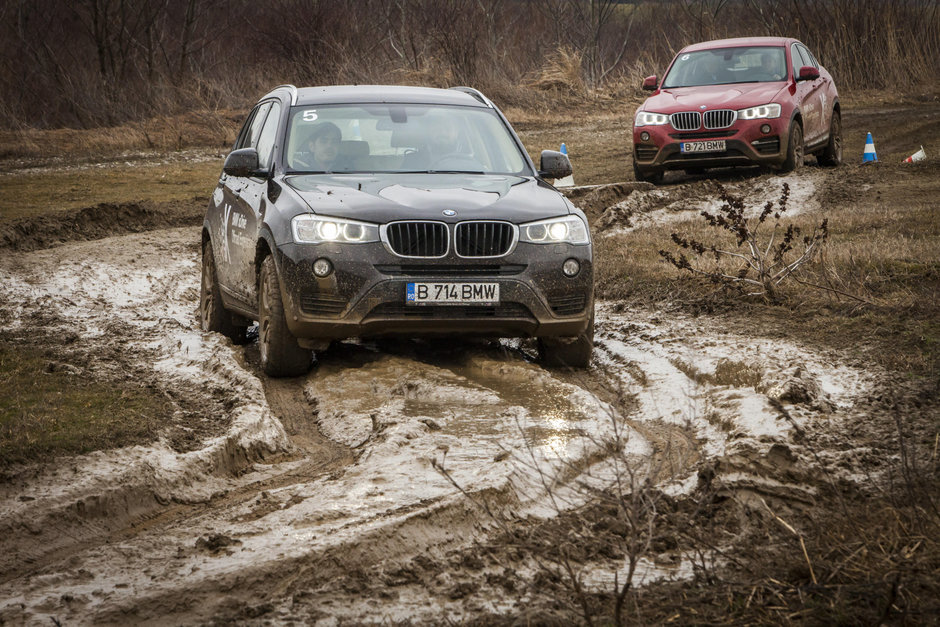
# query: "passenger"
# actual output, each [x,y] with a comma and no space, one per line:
[320,149]
[442,142]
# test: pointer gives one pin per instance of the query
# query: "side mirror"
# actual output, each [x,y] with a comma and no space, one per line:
[651,83]
[242,162]
[808,73]
[554,165]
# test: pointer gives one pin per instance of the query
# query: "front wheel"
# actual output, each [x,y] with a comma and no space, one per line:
[795,154]
[212,315]
[281,356]
[573,352]
[654,177]
[832,154]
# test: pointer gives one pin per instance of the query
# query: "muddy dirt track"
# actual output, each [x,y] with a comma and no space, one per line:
[334,497]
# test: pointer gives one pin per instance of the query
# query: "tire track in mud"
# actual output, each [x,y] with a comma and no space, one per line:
[358,487]
[397,374]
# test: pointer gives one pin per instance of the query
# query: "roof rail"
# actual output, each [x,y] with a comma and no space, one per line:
[291,89]
[476,94]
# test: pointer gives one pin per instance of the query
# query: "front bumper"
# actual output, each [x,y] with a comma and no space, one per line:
[365,294]
[745,143]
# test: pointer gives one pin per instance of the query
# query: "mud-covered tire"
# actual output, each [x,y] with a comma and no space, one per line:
[281,356]
[654,177]
[571,352]
[212,314]
[795,149]
[832,154]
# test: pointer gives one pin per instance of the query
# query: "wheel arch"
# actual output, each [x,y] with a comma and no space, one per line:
[263,247]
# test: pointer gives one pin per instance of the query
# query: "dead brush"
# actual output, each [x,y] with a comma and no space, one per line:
[760,262]
[562,72]
[599,519]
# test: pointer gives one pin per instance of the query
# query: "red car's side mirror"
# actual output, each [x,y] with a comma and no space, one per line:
[651,83]
[808,73]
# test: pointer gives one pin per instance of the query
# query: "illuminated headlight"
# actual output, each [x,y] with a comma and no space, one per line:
[310,229]
[648,118]
[570,229]
[756,113]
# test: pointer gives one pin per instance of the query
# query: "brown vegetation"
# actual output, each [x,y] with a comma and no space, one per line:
[105,62]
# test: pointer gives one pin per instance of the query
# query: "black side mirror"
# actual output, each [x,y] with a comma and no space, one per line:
[554,165]
[808,73]
[243,162]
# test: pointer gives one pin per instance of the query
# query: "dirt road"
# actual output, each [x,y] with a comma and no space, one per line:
[335,497]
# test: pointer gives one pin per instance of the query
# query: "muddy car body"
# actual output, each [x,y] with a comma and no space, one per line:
[427,219]
[747,101]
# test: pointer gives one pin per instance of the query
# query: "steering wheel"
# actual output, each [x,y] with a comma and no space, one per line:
[457,161]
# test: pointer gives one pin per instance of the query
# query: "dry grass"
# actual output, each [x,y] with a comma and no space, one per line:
[163,133]
[561,73]
[41,193]
[46,410]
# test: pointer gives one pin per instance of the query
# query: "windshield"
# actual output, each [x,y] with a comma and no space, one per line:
[758,64]
[400,138]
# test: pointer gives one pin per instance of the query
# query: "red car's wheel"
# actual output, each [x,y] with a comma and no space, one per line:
[832,155]
[653,177]
[795,153]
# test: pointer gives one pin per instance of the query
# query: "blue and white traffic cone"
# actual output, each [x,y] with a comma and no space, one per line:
[870,154]
[568,181]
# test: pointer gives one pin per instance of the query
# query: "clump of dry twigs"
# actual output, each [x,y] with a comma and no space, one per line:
[766,252]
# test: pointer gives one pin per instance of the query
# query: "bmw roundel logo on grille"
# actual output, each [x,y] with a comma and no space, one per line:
[702,106]
[449,212]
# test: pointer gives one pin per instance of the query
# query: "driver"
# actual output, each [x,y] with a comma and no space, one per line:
[321,148]
[768,63]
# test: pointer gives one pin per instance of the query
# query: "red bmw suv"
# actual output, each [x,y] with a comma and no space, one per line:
[748,101]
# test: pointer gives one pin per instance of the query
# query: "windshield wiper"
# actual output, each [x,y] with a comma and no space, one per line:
[437,172]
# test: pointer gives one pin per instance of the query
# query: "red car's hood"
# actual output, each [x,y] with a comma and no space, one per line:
[736,96]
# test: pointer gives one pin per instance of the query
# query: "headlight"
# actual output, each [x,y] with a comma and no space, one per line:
[570,229]
[648,118]
[311,229]
[763,111]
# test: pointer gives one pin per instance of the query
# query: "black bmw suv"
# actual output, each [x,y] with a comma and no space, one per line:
[365,211]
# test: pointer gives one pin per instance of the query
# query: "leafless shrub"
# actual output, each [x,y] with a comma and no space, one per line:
[125,61]
[606,508]
[759,263]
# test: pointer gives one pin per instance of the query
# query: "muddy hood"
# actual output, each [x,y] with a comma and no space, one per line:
[713,97]
[427,196]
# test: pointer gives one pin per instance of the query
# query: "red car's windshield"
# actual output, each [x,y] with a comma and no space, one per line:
[721,66]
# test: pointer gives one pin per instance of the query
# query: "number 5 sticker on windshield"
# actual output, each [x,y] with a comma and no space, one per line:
[310,115]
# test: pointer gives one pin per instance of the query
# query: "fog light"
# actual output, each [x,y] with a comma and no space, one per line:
[765,128]
[322,267]
[645,136]
[571,267]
